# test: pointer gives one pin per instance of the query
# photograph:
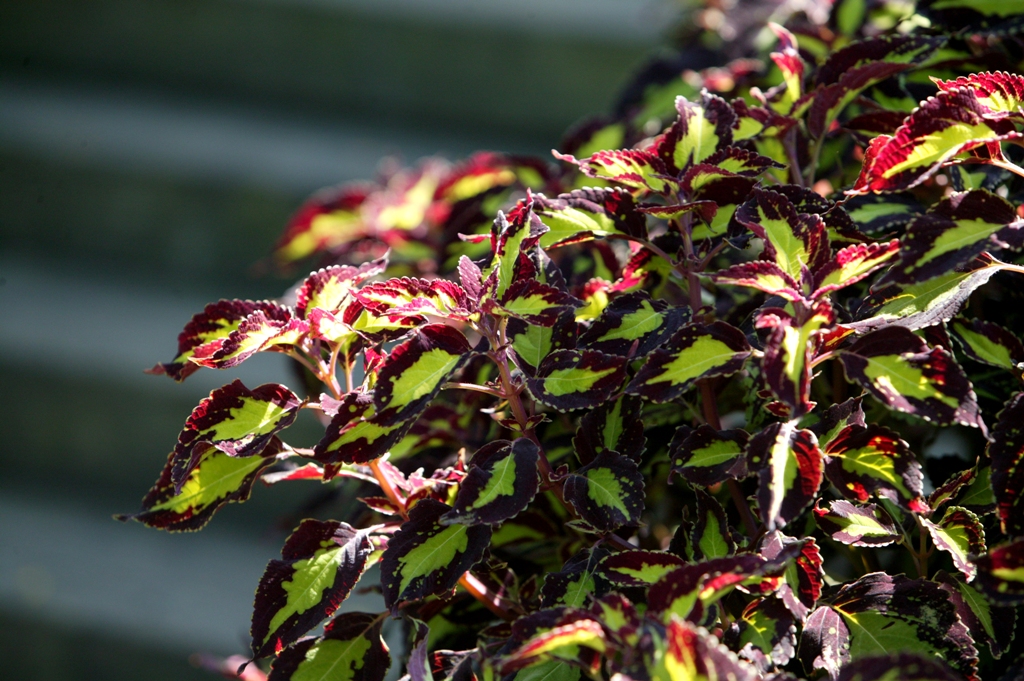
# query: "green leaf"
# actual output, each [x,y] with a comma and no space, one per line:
[321,563]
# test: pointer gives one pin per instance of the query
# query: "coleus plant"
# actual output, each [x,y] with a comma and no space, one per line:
[662,410]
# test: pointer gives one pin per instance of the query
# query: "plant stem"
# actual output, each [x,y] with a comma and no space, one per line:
[496,603]
[389,491]
[812,169]
[473,386]
[515,402]
[789,142]
[1005,165]
[306,363]
[822,358]
[332,369]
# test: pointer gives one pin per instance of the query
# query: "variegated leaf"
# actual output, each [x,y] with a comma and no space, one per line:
[884,615]
[415,370]
[959,534]
[577,379]
[707,457]
[1006,451]
[788,348]
[356,434]
[328,288]
[689,652]
[930,302]
[320,564]
[764,634]
[797,242]
[216,479]
[700,130]
[858,66]
[632,326]
[501,482]
[586,214]
[899,369]
[607,493]
[988,342]
[426,557]
[940,128]
[634,168]
[611,426]
[234,420]
[256,333]
[213,326]
[861,461]
[1000,94]
[988,622]
[789,466]
[953,232]
[696,351]
[532,343]
[863,525]
[350,649]
[898,665]
[852,264]
[536,303]
[711,537]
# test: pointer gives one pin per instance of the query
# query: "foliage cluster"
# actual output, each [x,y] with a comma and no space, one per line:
[679,405]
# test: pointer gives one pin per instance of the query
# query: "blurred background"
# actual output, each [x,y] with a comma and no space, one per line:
[150,153]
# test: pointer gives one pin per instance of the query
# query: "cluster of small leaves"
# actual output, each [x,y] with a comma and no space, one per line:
[669,407]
